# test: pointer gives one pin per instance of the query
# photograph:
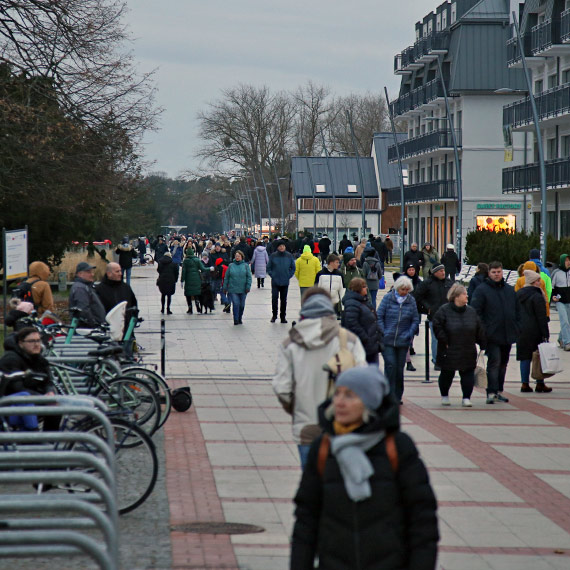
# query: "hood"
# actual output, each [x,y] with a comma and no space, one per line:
[258,248]
[110,282]
[219,261]
[353,296]
[314,333]
[125,247]
[562,262]
[39,270]
[530,265]
[165,260]
[527,293]
[307,249]
[11,344]
[190,252]
[307,254]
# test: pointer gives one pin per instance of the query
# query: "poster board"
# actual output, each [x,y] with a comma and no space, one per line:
[15,254]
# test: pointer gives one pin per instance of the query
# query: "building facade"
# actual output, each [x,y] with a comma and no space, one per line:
[466,40]
[545,31]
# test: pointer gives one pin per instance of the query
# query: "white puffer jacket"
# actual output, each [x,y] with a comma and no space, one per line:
[331,282]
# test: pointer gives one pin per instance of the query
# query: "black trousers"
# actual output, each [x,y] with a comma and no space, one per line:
[467,381]
[279,293]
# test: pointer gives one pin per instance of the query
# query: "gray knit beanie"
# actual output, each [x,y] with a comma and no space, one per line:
[367,382]
[317,306]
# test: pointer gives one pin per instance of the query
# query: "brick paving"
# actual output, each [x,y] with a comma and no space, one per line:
[501,472]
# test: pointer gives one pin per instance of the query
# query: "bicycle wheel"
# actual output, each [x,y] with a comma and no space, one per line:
[132,399]
[162,389]
[136,461]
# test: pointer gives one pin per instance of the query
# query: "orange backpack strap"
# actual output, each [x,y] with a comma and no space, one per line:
[323,453]
[391,451]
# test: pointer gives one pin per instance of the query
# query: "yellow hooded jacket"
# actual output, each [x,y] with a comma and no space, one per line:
[41,291]
[306,268]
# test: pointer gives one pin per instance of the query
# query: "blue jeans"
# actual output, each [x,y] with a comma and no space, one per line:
[394,362]
[564,316]
[238,305]
[373,293]
[217,289]
[525,371]
[433,342]
[497,361]
[303,454]
[128,272]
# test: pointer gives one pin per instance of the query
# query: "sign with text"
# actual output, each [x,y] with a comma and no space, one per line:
[499,206]
[16,254]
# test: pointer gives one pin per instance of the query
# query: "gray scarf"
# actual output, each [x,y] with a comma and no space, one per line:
[355,467]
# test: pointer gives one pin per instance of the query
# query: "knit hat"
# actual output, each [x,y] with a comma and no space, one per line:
[451,246]
[317,306]
[349,249]
[307,249]
[25,307]
[187,253]
[530,276]
[219,261]
[367,382]
[437,268]
[534,254]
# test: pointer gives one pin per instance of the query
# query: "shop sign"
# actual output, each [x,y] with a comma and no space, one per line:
[499,206]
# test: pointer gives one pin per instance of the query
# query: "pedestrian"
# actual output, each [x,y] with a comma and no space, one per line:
[368,251]
[344,243]
[534,255]
[177,252]
[306,269]
[481,273]
[561,296]
[431,259]
[381,250]
[281,268]
[82,296]
[532,266]
[242,246]
[190,278]
[237,282]
[300,381]
[330,279]
[458,330]
[349,269]
[324,246]
[533,328]
[451,262]
[372,273]
[497,305]
[364,500]
[399,320]
[166,282]
[390,247]
[430,296]
[217,253]
[219,275]
[160,249]
[142,250]
[112,290]
[414,256]
[126,253]
[42,298]
[360,249]
[359,317]
[259,261]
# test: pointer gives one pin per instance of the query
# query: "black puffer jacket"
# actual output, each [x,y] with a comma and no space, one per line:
[395,528]
[476,280]
[534,322]
[431,294]
[360,318]
[499,309]
[457,329]
[416,258]
[168,275]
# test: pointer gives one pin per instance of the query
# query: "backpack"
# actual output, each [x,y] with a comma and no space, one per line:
[24,291]
[373,273]
[324,447]
[341,361]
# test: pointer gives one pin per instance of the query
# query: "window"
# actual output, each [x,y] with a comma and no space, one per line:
[417,34]
[538,85]
[564,223]
[423,175]
[459,118]
[436,172]
[453,13]
[566,4]
[430,27]
[352,188]
[438,23]
[552,81]
[320,188]
[423,129]
[565,146]
[429,178]
[450,170]
[425,30]
[444,20]
[566,76]
[551,149]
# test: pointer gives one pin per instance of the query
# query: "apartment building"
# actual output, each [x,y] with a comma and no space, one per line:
[467,40]
[545,30]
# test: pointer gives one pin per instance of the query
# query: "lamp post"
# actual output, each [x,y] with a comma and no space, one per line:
[258,203]
[541,164]
[312,189]
[332,190]
[401,179]
[266,197]
[348,116]
[280,198]
[457,166]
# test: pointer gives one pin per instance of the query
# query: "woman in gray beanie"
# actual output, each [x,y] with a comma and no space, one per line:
[364,500]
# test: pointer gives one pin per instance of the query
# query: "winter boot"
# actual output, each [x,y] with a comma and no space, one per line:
[198,307]
[525,387]
[189,301]
[263,281]
[258,282]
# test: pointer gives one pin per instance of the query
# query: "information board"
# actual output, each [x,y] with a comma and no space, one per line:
[16,254]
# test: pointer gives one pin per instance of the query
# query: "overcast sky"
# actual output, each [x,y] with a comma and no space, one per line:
[202,46]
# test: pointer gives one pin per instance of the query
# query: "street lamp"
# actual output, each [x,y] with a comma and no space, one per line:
[332,190]
[312,188]
[349,117]
[258,203]
[266,197]
[277,179]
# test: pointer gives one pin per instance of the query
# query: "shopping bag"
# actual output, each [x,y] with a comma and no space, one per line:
[480,372]
[382,283]
[549,359]
[536,370]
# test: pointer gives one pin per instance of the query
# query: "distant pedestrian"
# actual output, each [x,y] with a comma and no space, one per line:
[82,296]
[349,269]
[237,282]
[458,330]
[160,249]
[431,259]
[307,267]
[142,250]
[561,296]
[281,268]
[259,261]
[521,281]
[324,246]
[177,252]
[360,250]
[451,262]
[414,256]
[381,249]
[372,273]
[166,282]
[344,243]
[390,247]
[330,279]
[481,274]
[126,253]
[190,278]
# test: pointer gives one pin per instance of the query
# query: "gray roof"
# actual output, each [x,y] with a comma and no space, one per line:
[344,172]
[488,10]
[388,174]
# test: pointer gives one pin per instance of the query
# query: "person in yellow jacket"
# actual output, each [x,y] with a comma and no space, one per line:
[543,285]
[306,268]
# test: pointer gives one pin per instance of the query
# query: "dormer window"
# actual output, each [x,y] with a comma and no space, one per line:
[438,23]
[417,34]
[430,27]
[320,188]
[425,32]
[444,19]
[453,13]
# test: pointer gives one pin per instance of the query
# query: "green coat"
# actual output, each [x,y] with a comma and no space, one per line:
[238,278]
[191,268]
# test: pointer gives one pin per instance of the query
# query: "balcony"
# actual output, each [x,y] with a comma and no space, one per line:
[514,59]
[425,49]
[565,26]
[439,190]
[416,98]
[553,106]
[527,178]
[428,143]
[546,39]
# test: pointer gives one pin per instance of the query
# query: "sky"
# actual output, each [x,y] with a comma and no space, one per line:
[199,47]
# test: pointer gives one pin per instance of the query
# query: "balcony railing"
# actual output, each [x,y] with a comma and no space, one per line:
[436,41]
[424,192]
[417,97]
[524,178]
[565,26]
[513,51]
[427,142]
[543,35]
[551,103]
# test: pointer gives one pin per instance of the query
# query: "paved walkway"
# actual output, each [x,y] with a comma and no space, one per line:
[501,473]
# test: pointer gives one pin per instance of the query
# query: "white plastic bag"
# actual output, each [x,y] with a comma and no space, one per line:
[481,371]
[549,359]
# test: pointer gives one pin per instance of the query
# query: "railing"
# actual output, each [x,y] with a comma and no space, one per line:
[424,192]
[417,97]
[424,143]
[542,35]
[436,41]
[565,26]
[550,103]
[513,51]
[523,178]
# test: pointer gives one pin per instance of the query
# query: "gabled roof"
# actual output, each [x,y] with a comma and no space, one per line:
[388,174]
[344,171]
[488,10]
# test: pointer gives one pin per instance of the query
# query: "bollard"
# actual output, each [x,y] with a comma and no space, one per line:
[163,348]
[427,380]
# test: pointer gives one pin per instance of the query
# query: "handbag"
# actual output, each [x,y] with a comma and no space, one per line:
[549,359]
[382,283]
[481,372]
[536,368]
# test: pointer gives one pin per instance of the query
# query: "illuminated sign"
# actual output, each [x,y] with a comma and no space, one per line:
[500,206]
[506,223]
